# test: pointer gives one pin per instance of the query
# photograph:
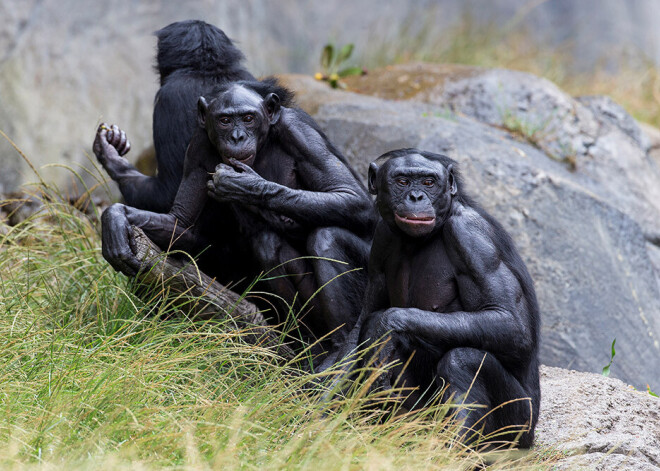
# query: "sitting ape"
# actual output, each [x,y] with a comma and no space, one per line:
[447,284]
[193,58]
[280,191]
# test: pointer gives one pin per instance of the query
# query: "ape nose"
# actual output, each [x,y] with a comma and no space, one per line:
[237,137]
[415,196]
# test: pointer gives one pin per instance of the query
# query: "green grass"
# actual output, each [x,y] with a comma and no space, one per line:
[92,377]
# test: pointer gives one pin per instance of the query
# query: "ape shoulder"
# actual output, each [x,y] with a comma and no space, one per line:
[470,239]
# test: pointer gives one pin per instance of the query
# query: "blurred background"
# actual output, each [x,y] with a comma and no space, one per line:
[65,65]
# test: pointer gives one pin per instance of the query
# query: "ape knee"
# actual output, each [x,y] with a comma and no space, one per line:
[322,242]
[266,246]
[459,366]
[462,359]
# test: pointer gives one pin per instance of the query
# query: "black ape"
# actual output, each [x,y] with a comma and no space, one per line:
[446,282]
[193,58]
[280,191]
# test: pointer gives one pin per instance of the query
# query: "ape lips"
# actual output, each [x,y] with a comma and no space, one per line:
[415,220]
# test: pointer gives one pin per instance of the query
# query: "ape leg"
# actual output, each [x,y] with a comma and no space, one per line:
[287,278]
[489,384]
[341,298]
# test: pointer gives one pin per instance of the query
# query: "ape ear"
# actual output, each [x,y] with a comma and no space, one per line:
[273,108]
[453,187]
[373,173]
[202,110]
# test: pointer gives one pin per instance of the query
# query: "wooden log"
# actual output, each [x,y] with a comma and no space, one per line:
[204,297]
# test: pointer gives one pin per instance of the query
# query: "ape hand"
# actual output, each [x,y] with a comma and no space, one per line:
[109,146]
[110,142]
[237,183]
[395,320]
[118,242]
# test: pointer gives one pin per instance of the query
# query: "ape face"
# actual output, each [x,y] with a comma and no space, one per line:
[413,193]
[237,122]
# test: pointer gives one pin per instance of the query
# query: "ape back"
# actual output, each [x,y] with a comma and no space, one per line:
[193,58]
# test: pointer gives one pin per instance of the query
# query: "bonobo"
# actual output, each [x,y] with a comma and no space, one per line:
[448,286]
[193,59]
[280,191]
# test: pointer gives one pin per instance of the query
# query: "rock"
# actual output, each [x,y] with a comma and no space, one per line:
[587,252]
[653,136]
[600,423]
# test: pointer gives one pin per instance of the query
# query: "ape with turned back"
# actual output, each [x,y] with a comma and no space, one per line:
[448,286]
[193,58]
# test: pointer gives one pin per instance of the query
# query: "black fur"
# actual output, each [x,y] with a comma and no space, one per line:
[193,59]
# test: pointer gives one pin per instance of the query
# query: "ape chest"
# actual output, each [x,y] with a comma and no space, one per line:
[423,279]
[279,167]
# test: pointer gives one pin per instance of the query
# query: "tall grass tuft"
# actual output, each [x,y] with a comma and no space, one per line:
[93,377]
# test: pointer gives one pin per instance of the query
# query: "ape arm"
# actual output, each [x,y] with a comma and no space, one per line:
[495,316]
[169,231]
[332,195]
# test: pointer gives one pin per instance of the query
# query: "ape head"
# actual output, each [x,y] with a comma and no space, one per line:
[414,190]
[237,121]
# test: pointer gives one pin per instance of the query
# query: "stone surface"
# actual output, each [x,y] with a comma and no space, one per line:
[591,261]
[600,423]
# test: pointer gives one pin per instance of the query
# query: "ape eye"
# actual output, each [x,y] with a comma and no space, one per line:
[225,120]
[428,182]
[403,181]
[248,118]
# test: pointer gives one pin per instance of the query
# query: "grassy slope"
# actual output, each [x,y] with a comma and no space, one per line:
[91,378]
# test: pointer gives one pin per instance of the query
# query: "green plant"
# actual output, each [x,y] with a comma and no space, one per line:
[331,65]
[606,368]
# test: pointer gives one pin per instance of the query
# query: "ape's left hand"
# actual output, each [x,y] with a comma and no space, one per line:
[237,183]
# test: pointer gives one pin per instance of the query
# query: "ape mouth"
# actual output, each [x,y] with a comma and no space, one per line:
[414,220]
[244,158]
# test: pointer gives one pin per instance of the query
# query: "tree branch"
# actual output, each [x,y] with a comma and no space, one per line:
[208,298]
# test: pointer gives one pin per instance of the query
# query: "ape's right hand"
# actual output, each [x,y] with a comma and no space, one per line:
[110,143]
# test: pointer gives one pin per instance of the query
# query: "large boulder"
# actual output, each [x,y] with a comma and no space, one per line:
[587,228]
[598,423]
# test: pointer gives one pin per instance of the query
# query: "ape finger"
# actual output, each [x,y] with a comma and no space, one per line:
[124,144]
[223,168]
[110,136]
[240,165]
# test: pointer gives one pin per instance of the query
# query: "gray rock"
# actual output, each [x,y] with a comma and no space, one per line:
[600,423]
[590,261]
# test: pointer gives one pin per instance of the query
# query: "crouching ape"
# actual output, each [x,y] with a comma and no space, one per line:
[278,191]
[448,287]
